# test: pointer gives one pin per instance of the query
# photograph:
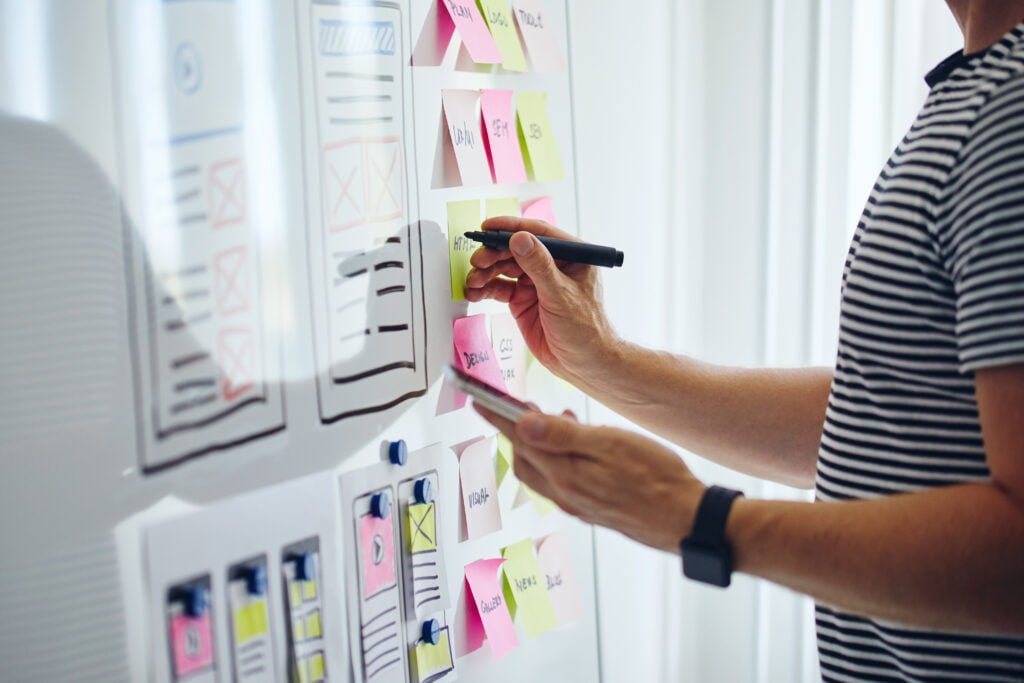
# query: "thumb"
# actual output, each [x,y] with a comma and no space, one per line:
[535,260]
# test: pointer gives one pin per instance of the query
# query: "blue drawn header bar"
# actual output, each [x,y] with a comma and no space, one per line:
[339,38]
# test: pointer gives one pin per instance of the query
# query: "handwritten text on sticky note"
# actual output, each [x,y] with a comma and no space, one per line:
[537,137]
[478,40]
[502,139]
[462,118]
[473,350]
[498,16]
[554,556]
[479,489]
[526,589]
[487,614]
[463,216]
[538,31]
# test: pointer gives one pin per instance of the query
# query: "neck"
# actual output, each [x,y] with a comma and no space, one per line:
[984,22]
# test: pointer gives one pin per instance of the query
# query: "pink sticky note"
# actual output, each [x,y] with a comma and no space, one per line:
[473,350]
[473,31]
[191,643]
[502,140]
[377,545]
[487,614]
[555,559]
[510,346]
[479,490]
[540,209]
[462,118]
[538,32]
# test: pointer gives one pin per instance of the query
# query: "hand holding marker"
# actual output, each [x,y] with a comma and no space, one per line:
[561,250]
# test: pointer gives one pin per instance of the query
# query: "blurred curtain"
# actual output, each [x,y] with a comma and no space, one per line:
[728,148]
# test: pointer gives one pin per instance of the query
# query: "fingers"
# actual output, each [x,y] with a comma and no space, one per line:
[478,277]
[564,435]
[517,224]
[497,289]
[485,257]
[537,264]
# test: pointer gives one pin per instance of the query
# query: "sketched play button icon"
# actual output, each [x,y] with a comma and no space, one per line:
[378,549]
[188,68]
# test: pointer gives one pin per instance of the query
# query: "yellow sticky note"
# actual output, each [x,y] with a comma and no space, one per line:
[301,671]
[313,629]
[462,217]
[309,590]
[508,206]
[316,667]
[543,505]
[537,138]
[250,621]
[298,630]
[498,16]
[295,593]
[526,589]
[432,660]
[422,528]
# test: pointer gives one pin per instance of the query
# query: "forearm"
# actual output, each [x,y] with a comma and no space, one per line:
[763,422]
[950,558]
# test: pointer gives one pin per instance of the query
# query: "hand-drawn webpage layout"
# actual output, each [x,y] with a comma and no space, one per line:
[206,365]
[365,260]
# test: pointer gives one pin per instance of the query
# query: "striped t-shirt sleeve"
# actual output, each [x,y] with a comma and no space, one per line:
[983,234]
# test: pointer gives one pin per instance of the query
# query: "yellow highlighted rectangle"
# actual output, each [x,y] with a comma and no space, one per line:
[316,667]
[301,671]
[250,621]
[422,528]
[433,659]
[298,630]
[309,590]
[313,625]
[295,593]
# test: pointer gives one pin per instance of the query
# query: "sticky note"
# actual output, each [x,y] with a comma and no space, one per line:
[487,615]
[302,671]
[422,527]
[479,489]
[462,120]
[502,139]
[504,459]
[510,347]
[309,589]
[498,15]
[298,630]
[313,627]
[536,136]
[473,350]
[295,592]
[526,495]
[473,31]
[538,31]
[315,663]
[431,661]
[541,210]
[192,643]
[377,553]
[527,590]
[554,556]
[501,207]
[250,621]
[463,216]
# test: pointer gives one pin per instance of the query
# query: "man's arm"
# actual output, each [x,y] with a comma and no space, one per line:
[951,558]
[763,422]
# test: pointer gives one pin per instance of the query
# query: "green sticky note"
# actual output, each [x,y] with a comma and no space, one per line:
[526,590]
[508,206]
[536,137]
[462,217]
[504,463]
[544,505]
[498,16]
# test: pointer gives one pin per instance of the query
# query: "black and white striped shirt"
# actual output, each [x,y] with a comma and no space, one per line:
[933,290]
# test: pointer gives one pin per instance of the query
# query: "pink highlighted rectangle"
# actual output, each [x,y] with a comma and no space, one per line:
[502,139]
[191,644]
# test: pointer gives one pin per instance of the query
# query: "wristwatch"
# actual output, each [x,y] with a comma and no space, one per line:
[707,556]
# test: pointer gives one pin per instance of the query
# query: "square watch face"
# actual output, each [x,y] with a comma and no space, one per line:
[706,563]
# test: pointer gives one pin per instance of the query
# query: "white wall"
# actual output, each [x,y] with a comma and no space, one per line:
[728,147]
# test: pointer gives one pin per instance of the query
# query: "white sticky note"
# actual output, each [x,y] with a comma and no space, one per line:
[479,489]
[465,134]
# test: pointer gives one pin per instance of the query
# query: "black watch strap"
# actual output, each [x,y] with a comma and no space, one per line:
[706,555]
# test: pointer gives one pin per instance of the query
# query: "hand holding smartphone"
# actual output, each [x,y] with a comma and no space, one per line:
[495,400]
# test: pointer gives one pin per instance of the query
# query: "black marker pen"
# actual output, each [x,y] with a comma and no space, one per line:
[561,250]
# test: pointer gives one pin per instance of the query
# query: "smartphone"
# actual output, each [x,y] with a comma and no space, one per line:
[495,400]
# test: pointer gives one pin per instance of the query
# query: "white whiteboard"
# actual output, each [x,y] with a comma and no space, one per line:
[96,434]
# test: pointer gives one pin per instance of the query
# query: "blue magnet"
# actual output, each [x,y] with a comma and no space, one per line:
[398,452]
[305,566]
[255,580]
[380,505]
[193,599]
[432,631]
[423,490]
